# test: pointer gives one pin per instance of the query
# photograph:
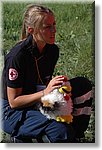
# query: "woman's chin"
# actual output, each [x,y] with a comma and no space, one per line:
[51,41]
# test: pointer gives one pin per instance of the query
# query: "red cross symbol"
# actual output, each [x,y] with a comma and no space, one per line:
[13,74]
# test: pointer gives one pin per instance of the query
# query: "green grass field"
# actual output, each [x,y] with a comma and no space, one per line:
[75,38]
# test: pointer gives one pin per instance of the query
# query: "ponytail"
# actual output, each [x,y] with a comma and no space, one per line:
[23,34]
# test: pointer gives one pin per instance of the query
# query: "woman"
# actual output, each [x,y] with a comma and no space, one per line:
[27,77]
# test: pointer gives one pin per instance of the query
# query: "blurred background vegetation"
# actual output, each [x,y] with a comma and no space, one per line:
[75,38]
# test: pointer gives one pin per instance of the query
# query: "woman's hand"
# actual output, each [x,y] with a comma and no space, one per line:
[56,82]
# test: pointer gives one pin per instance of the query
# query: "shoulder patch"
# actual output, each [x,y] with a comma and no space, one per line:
[13,74]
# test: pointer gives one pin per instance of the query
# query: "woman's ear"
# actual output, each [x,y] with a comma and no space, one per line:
[30,30]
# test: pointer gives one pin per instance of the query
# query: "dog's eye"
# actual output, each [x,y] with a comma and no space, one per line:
[56,105]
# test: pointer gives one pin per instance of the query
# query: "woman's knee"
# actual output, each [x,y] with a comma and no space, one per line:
[80,86]
[59,132]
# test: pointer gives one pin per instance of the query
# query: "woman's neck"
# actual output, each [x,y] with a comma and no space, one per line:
[40,45]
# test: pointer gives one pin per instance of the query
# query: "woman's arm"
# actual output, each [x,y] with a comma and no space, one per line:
[17,100]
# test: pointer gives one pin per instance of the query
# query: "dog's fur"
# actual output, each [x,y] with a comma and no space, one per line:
[55,105]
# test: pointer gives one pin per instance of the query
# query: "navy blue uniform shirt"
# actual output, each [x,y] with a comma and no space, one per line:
[20,70]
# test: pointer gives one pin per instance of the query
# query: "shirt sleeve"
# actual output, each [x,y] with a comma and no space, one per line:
[14,72]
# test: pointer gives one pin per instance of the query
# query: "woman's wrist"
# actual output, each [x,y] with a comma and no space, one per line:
[45,91]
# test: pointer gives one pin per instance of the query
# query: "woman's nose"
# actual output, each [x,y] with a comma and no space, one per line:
[53,29]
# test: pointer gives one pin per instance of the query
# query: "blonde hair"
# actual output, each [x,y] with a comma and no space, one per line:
[33,17]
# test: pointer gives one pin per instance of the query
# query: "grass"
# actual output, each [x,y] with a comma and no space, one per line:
[75,38]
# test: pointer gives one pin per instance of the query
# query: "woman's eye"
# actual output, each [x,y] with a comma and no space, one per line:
[47,27]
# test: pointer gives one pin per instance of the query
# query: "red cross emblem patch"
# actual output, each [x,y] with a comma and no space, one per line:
[13,74]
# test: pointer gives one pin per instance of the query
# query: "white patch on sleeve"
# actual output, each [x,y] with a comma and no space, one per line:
[13,74]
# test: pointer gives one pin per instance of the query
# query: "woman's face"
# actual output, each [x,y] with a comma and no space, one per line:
[46,33]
